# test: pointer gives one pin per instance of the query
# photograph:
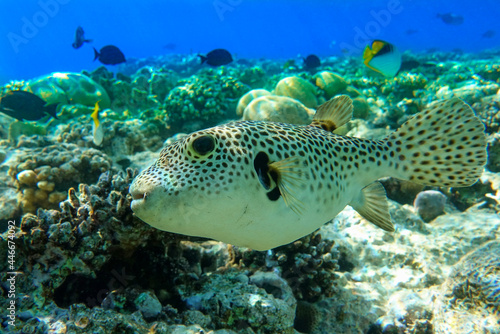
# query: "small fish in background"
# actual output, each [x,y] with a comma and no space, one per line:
[382,57]
[489,34]
[80,38]
[451,19]
[311,62]
[170,46]
[217,57]
[109,55]
[290,65]
[97,128]
[408,65]
[431,50]
[26,106]
[243,61]
[411,32]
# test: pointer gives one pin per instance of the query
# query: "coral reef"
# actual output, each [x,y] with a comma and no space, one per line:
[470,298]
[361,109]
[44,174]
[404,85]
[308,265]
[331,83]
[494,153]
[254,77]
[86,264]
[266,306]
[278,109]
[17,128]
[203,99]
[69,88]
[299,89]
[490,72]
[488,109]
[249,97]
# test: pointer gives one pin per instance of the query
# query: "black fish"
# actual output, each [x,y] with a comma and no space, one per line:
[217,57]
[170,46]
[451,19]
[80,38]
[26,106]
[109,55]
[489,34]
[312,61]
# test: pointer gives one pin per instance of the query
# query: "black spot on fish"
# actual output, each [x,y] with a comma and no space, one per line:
[266,175]
[274,194]
[109,55]
[261,166]
[217,57]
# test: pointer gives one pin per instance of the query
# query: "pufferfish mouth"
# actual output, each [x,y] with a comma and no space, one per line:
[138,195]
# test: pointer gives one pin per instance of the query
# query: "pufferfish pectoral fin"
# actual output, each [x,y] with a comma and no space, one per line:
[333,114]
[371,204]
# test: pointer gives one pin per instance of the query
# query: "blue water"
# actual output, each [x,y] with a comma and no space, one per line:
[37,35]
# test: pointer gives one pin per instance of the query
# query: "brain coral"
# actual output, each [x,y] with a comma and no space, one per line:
[299,89]
[278,109]
[471,294]
[331,83]
[69,88]
[248,97]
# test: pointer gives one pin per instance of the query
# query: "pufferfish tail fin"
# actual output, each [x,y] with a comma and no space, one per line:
[333,114]
[444,145]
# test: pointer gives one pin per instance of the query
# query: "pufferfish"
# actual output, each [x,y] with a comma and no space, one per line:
[263,184]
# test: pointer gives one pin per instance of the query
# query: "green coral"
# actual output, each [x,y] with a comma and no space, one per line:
[299,89]
[12,86]
[331,83]
[208,98]
[69,88]
[253,77]
[17,128]
[491,72]
[404,86]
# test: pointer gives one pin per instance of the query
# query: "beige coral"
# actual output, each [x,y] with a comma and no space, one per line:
[248,97]
[278,109]
[299,89]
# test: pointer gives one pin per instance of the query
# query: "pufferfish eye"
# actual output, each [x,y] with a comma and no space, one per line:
[203,145]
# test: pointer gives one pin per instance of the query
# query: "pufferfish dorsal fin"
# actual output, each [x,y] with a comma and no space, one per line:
[371,204]
[333,114]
